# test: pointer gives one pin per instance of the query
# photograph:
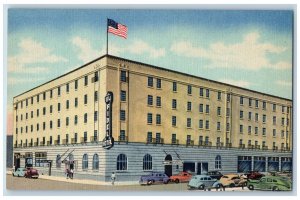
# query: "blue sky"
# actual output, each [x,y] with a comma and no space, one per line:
[251,49]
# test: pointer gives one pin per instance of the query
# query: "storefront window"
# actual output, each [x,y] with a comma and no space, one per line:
[147,162]
[122,162]
[39,158]
[95,162]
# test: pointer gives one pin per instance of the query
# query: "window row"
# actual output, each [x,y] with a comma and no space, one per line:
[264,105]
[264,131]
[264,118]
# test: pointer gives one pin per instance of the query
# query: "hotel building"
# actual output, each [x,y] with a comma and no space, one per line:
[161,120]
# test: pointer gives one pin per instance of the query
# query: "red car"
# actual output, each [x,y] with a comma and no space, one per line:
[181,177]
[31,173]
[254,175]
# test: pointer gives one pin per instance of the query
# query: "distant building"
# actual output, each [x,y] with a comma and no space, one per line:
[161,120]
[9,151]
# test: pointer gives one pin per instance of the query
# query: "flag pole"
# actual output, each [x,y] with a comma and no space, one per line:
[107,36]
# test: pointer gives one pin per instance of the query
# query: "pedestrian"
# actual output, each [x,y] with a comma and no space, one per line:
[67,173]
[113,178]
[71,173]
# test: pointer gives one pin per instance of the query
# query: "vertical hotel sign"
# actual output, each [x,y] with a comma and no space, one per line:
[108,141]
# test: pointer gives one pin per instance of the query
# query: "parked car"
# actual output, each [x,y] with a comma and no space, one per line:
[274,183]
[154,177]
[181,177]
[286,173]
[215,174]
[202,182]
[31,173]
[20,172]
[232,180]
[254,175]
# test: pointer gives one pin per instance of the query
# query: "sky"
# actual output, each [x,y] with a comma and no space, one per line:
[250,49]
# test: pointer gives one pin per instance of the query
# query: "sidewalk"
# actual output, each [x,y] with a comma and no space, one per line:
[83,181]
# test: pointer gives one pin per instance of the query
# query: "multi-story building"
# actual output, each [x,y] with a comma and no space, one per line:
[161,120]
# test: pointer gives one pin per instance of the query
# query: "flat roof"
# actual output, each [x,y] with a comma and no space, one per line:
[152,66]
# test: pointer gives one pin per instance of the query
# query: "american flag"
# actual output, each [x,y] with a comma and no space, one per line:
[116,28]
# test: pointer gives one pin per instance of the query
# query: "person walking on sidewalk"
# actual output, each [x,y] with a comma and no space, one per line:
[71,173]
[68,173]
[113,178]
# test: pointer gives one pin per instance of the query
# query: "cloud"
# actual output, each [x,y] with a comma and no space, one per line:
[284,83]
[249,54]
[239,83]
[86,52]
[15,81]
[140,47]
[32,53]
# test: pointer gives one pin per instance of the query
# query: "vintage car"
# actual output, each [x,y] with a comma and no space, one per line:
[20,172]
[232,180]
[254,175]
[181,177]
[202,182]
[215,174]
[154,177]
[31,173]
[274,183]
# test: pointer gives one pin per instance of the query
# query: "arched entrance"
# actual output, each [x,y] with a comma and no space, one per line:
[168,166]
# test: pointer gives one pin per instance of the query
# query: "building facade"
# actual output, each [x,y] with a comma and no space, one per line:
[161,120]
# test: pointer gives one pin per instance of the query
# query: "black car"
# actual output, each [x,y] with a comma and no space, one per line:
[215,174]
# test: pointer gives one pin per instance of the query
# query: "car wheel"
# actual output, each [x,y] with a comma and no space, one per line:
[177,181]
[218,186]
[231,185]
[18,175]
[275,188]
[149,182]
[201,187]
[251,187]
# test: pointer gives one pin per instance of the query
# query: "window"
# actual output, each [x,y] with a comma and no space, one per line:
[283,109]
[241,114]
[31,128]
[207,109]
[26,115]
[123,95]
[241,128]
[274,107]
[37,98]
[67,87]
[122,115]
[150,81]
[158,83]
[85,80]
[51,124]
[189,106]
[264,105]
[157,138]
[96,77]
[174,138]
[149,137]
[76,102]
[282,121]
[44,125]
[150,100]
[96,96]
[174,87]
[149,118]
[147,162]
[85,162]
[51,109]
[207,124]
[95,116]
[200,123]
[173,120]
[256,104]
[274,132]
[241,100]
[158,101]
[31,114]
[44,96]
[174,103]
[85,117]
[256,117]
[227,112]
[207,93]
[76,84]
[58,107]
[189,122]
[219,95]
[122,162]
[189,89]
[256,130]
[67,121]
[31,100]
[44,110]
[85,136]
[219,111]
[249,116]
[51,93]
[39,158]
[249,129]
[201,108]
[188,139]
[21,104]
[264,118]
[95,135]
[95,162]
[158,119]
[67,104]
[75,119]
[250,102]
[58,123]
[58,161]
[201,92]
[264,131]
[58,91]
[227,127]
[218,126]
[274,120]
[123,76]
[37,127]
[67,138]
[218,162]
[75,137]
[228,98]
[85,99]
[282,133]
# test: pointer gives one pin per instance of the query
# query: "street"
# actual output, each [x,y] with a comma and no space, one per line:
[21,183]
